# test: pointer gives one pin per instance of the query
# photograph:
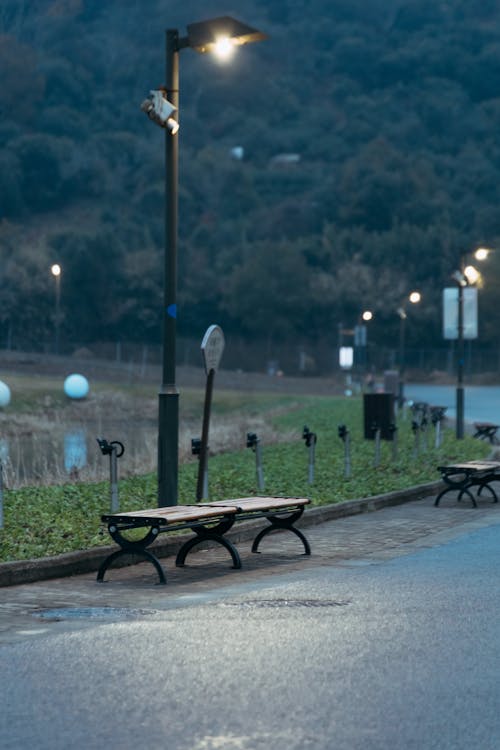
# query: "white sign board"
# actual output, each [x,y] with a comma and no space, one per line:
[212,347]
[346,357]
[450,313]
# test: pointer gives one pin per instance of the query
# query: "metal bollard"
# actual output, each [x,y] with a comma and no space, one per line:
[196,451]
[311,439]
[346,438]
[114,450]
[253,442]
[377,431]
[423,429]
[393,429]
[437,417]
[416,431]
[437,436]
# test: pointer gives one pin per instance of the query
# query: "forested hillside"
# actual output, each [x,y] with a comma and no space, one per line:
[369,136]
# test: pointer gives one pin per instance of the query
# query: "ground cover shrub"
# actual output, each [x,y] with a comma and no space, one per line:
[47,520]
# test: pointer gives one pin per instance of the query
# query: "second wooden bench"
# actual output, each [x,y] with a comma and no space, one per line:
[462,477]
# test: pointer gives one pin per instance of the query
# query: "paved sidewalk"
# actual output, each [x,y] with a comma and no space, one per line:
[366,538]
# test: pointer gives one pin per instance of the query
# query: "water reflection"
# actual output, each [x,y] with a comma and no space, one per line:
[4,450]
[71,452]
[75,451]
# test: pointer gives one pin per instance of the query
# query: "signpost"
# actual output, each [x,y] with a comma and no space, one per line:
[451,313]
[212,348]
[460,322]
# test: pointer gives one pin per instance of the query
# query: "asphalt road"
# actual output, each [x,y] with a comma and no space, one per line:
[360,654]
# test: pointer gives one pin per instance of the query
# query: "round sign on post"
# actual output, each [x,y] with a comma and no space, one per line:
[212,348]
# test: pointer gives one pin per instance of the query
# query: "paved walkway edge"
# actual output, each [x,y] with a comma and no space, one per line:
[88,561]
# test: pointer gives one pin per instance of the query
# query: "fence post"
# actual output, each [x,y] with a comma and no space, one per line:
[311,439]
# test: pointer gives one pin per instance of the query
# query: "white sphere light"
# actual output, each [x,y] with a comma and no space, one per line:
[76,386]
[4,394]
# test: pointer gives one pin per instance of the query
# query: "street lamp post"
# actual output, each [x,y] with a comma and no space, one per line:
[459,406]
[220,35]
[467,276]
[414,298]
[55,270]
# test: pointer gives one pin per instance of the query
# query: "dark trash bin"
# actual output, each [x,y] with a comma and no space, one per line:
[379,415]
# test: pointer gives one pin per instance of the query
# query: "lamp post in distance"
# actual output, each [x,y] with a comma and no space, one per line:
[56,270]
[465,277]
[361,339]
[221,36]
[414,298]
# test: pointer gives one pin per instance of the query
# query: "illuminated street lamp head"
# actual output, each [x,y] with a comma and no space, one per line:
[482,253]
[55,269]
[415,297]
[472,274]
[221,36]
[367,315]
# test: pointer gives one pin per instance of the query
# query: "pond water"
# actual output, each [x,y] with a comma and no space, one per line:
[481,403]
[72,452]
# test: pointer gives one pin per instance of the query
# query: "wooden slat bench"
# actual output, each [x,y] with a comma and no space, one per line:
[209,521]
[462,477]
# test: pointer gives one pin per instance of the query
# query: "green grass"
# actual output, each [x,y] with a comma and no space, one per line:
[42,521]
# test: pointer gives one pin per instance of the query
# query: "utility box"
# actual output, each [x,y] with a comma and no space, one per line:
[379,415]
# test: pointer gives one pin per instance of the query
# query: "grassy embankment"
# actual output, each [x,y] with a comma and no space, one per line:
[49,519]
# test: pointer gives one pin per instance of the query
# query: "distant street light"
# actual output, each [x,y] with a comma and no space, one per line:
[361,339]
[55,270]
[467,276]
[221,36]
[414,298]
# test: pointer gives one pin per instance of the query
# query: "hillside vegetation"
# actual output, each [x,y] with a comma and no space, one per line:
[389,108]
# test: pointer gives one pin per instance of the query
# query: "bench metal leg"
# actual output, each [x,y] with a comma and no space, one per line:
[464,489]
[487,486]
[132,547]
[461,490]
[278,523]
[212,534]
[188,546]
[148,556]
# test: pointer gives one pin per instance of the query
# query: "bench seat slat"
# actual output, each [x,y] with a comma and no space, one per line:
[185,513]
[171,515]
[472,466]
[260,504]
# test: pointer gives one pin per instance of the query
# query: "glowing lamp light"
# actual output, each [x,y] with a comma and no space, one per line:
[471,274]
[482,253]
[367,315]
[4,394]
[55,269]
[415,297]
[76,386]
[223,48]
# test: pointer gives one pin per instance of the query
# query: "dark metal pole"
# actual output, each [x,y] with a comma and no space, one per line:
[460,366]
[401,384]
[58,311]
[202,466]
[113,479]
[168,422]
